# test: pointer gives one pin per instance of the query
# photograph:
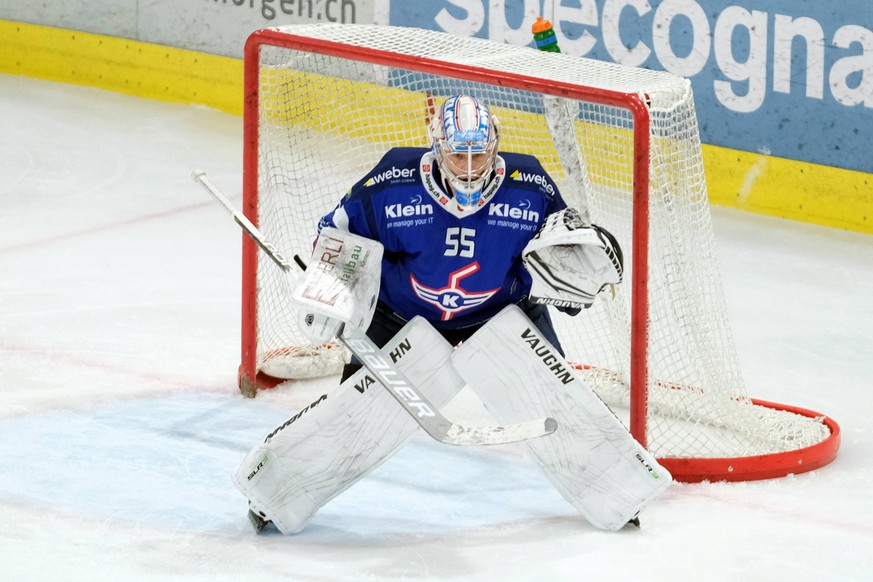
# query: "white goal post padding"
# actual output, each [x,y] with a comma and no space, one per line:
[325,101]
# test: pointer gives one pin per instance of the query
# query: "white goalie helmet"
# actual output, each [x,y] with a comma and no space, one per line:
[464,138]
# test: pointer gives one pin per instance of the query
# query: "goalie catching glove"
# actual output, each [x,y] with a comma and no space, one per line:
[341,284]
[570,262]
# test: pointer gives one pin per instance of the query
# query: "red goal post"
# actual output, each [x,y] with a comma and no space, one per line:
[323,102]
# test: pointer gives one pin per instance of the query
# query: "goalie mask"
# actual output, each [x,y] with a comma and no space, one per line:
[464,139]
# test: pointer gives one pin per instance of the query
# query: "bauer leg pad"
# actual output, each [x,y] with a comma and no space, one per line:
[335,441]
[591,458]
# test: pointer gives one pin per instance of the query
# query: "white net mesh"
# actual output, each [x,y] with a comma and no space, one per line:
[325,120]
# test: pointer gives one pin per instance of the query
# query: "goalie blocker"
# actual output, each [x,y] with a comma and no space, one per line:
[340,286]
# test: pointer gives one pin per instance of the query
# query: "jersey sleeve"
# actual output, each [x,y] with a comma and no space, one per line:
[364,208]
[350,215]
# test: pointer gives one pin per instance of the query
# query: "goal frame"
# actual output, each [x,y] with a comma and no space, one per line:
[683,469]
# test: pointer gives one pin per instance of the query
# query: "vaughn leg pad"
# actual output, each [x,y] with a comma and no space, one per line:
[335,441]
[591,458]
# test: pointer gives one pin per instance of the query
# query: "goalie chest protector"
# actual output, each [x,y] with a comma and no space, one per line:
[453,271]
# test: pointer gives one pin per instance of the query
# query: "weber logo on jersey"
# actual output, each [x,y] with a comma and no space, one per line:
[391,176]
[531,178]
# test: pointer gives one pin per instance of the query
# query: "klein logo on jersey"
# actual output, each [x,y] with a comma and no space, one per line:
[520,212]
[414,208]
[392,174]
[453,298]
[537,179]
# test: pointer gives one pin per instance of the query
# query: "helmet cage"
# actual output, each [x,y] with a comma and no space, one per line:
[465,144]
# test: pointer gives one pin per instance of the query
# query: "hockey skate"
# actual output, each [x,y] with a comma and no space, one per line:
[258,520]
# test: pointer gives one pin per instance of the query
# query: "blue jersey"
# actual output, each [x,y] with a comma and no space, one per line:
[453,269]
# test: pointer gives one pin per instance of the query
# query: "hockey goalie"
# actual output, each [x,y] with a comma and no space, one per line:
[453,297]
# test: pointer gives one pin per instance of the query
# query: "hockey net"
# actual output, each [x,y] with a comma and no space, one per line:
[323,104]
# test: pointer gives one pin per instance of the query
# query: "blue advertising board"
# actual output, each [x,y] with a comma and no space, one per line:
[787,78]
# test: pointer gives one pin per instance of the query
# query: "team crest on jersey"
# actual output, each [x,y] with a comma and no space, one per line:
[452,298]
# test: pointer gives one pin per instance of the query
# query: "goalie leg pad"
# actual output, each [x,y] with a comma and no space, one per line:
[338,439]
[591,458]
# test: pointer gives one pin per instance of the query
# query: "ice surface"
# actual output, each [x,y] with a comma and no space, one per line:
[120,419]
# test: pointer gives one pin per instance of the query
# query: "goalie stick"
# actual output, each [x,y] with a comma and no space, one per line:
[410,398]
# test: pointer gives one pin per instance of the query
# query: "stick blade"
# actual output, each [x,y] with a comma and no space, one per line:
[499,435]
